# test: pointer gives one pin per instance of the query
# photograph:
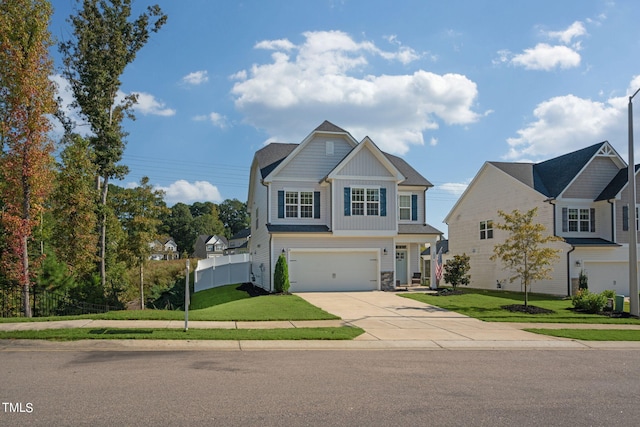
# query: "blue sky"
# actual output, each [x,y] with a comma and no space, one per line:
[446,85]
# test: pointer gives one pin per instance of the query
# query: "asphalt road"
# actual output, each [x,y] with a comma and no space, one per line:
[293,388]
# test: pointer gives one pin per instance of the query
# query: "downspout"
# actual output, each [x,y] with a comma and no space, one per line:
[569,270]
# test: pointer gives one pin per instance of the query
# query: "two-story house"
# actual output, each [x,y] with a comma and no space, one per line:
[346,215]
[164,248]
[581,196]
[209,246]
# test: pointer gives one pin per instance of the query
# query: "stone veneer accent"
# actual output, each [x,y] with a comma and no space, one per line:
[386,281]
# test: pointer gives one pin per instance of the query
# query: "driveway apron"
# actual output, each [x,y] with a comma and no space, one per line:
[386,316]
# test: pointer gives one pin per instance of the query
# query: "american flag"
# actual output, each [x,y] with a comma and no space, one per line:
[439,265]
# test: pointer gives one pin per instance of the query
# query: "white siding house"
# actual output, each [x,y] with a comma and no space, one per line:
[346,215]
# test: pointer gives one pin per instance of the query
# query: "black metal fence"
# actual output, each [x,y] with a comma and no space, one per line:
[44,303]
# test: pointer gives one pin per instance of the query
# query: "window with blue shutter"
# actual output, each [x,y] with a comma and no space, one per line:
[347,201]
[383,202]
[316,204]
[414,207]
[280,204]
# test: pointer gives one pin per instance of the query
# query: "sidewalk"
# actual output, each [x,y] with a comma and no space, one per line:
[389,322]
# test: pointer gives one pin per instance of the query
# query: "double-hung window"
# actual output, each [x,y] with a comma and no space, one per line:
[486,230]
[298,204]
[404,204]
[578,220]
[365,201]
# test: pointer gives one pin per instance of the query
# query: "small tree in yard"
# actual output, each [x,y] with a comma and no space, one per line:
[525,252]
[456,269]
[281,275]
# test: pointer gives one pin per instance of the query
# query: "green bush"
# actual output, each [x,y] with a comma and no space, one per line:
[281,275]
[588,302]
[609,293]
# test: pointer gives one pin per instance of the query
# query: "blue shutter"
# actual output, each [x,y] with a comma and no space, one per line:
[625,218]
[347,201]
[316,204]
[383,202]
[280,204]
[565,220]
[414,207]
[592,217]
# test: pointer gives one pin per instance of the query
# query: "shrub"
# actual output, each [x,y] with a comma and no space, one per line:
[281,275]
[456,269]
[583,280]
[588,302]
[609,293]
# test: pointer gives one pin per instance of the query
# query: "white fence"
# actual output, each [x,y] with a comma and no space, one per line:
[222,270]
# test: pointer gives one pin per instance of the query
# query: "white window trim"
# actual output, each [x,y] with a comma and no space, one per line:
[488,227]
[299,203]
[365,202]
[578,220]
[410,206]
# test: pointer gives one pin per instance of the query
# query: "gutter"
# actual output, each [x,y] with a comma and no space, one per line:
[573,248]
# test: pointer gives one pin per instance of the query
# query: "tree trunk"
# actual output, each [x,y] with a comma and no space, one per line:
[141,286]
[103,236]
[26,301]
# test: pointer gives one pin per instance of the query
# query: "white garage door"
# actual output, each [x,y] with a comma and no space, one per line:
[317,271]
[608,275]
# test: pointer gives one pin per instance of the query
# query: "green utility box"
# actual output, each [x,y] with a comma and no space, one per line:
[619,306]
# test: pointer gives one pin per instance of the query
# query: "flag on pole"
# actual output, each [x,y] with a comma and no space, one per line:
[439,266]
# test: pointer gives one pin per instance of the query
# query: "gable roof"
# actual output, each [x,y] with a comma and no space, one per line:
[270,157]
[373,148]
[616,185]
[552,176]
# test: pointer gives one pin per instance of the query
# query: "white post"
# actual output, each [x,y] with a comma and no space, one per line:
[633,229]
[186,298]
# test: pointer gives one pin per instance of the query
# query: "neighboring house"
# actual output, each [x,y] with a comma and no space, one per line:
[346,215]
[164,248]
[210,246]
[581,197]
[239,242]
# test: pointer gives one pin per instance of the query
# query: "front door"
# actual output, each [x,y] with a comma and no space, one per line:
[401,266]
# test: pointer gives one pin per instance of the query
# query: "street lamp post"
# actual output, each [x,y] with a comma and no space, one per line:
[633,228]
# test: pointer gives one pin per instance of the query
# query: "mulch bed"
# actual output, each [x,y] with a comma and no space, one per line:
[253,291]
[529,309]
[448,292]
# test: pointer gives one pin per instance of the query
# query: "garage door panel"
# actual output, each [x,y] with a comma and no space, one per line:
[313,271]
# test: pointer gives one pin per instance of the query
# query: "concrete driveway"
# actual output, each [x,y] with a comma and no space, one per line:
[387,316]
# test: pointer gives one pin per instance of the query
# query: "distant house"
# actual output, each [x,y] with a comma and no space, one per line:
[210,246]
[164,248]
[442,247]
[239,242]
[581,196]
[346,215]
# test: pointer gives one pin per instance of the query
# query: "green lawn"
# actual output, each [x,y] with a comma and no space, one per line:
[223,303]
[337,333]
[591,334]
[486,305]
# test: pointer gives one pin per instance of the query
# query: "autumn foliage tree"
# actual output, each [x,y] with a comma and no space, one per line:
[26,100]
[526,251]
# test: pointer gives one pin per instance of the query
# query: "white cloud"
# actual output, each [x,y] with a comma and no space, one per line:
[196,78]
[433,142]
[567,123]
[148,105]
[282,44]
[322,79]
[547,57]
[218,120]
[576,29]
[455,188]
[188,193]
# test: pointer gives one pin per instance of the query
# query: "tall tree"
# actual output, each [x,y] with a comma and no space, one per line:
[234,216]
[104,42]
[525,251]
[140,216]
[74,208]
[26,98]
[179,224]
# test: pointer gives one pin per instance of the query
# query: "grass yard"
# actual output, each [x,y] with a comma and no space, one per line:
[591,334]
[225,303]
[486,305]
[338,333]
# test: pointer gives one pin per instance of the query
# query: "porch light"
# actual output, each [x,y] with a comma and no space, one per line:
[384,251]
[633,236]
